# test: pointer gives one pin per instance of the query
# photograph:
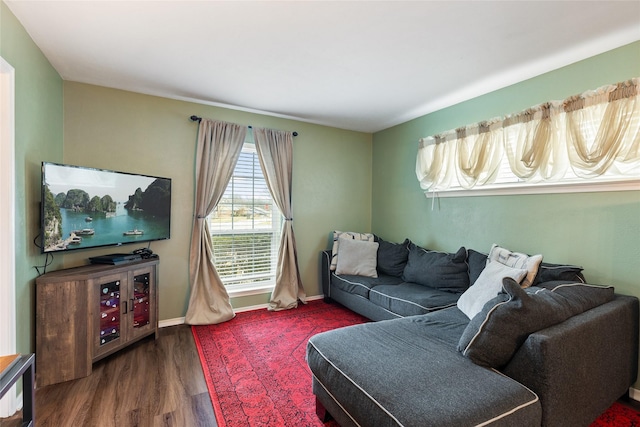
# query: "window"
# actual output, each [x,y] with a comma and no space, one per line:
[506,181]
[589,142]
[246,226]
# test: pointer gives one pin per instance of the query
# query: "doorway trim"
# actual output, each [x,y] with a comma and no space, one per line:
[8,405]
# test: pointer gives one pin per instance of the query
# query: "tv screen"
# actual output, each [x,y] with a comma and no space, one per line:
[88,208]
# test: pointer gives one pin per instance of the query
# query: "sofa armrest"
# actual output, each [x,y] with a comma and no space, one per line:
[579,367]
[325,271]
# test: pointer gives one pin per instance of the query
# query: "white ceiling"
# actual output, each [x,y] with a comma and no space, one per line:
[360,65]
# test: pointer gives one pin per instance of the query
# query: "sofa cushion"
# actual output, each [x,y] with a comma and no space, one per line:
[476,261]
[553,272]
[446,325]
[439,270]
[392,257]
[583,296]
[517,260]
[360,285]
[346,234]
[495,334]
[409,299]
[396,373]
[357,257]
[488,285]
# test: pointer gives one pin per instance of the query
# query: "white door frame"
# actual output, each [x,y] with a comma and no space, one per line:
[8,405]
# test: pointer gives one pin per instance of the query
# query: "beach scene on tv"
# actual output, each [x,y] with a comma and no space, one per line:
[84,208]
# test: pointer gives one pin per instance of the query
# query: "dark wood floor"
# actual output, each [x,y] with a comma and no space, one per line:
[151,383]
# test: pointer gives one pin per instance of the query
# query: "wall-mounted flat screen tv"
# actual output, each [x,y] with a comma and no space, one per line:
[88,208]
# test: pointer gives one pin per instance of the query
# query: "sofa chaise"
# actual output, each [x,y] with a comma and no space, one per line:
[534,352]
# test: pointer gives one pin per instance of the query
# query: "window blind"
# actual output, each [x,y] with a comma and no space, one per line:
[246,226]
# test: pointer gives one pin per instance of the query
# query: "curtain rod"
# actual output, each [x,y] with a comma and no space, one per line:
[195,118]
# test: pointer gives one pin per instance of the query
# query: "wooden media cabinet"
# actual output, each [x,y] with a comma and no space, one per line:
[84,314]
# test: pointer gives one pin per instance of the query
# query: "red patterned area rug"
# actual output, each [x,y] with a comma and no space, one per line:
[618,415]
[255,367]
[257,376]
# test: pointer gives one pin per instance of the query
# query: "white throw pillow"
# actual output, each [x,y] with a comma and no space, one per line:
[517,260]
[357,257]
[346,234]
[487,286]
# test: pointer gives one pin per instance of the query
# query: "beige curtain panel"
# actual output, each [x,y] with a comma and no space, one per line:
[534,145]
[595,133]
[479,155]
[615,143]
[275,151]
[218,149]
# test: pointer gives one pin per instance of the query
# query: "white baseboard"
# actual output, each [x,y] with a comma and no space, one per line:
[180,320]
[171,322]
[634,394]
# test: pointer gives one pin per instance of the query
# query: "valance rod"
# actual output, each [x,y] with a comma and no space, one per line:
[195,118]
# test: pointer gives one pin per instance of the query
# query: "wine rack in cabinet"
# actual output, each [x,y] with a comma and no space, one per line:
[86,313]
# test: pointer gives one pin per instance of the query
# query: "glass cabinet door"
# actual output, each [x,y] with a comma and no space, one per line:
[123,308]
[141,313]
[110,322]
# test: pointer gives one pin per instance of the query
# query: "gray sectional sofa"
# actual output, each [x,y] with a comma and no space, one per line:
[557,353]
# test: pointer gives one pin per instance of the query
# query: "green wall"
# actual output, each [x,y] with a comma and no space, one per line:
[113,129]
[600,231]
[342,180]
[38,136]
[126,131]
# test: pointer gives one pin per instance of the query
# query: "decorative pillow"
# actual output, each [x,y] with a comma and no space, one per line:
[488,285]
[367,237]
[392,257]
[357,257]
[517,260]
[439,270]
[552,272]
[497,332]
[583,296]
[476,261]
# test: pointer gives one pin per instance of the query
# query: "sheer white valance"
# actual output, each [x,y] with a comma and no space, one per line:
[585,137]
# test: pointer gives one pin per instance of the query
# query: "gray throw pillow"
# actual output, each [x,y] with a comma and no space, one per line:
[494,335]
[552,272]
[438,270]
[392,257]
[476,261]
